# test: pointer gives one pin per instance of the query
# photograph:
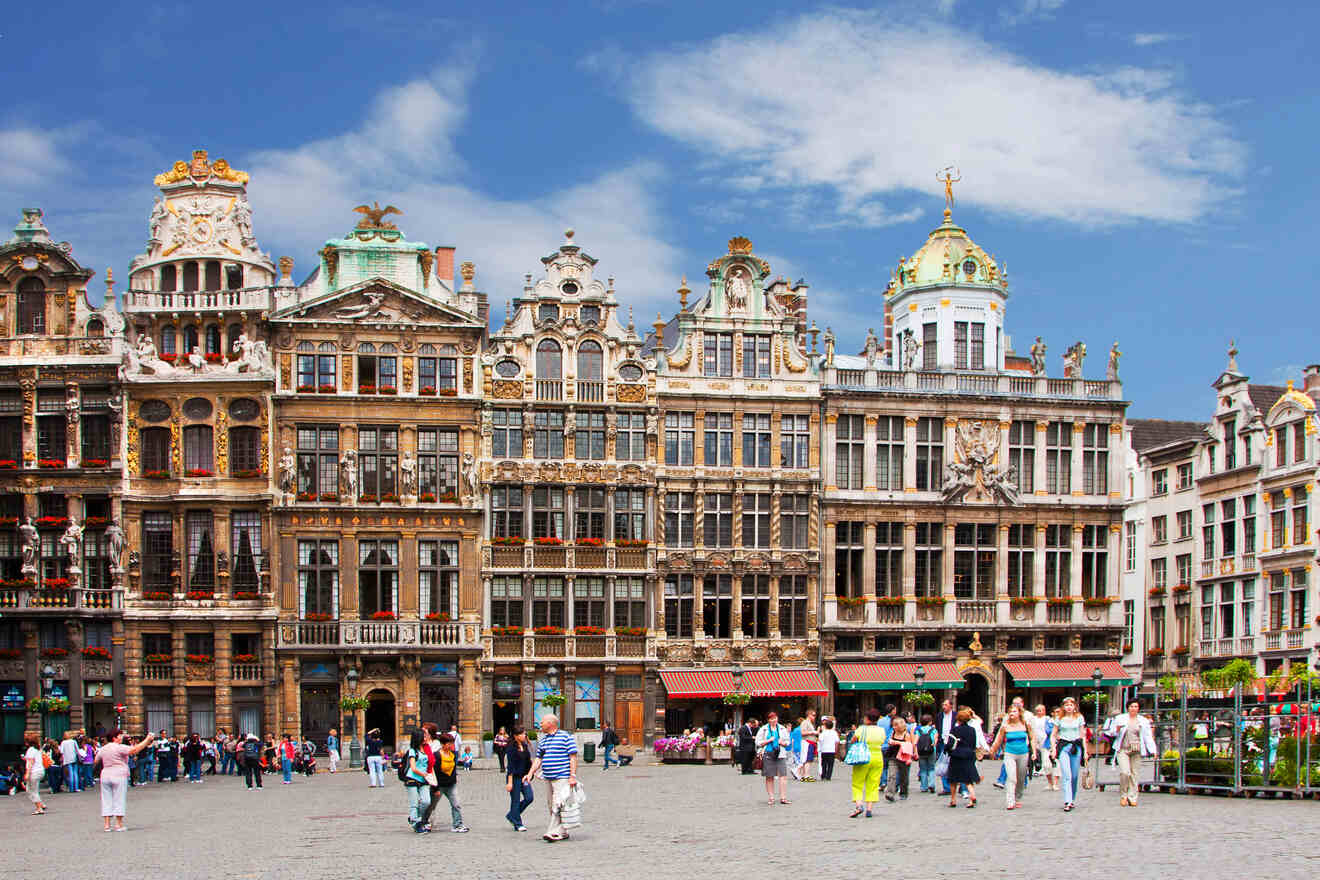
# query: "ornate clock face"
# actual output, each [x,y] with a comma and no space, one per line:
[29,263]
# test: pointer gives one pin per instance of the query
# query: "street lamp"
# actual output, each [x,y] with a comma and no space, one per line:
[737,672]
[919,676]
[1097,676]
[354,747]
[48,677]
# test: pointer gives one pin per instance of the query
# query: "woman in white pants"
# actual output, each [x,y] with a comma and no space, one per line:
[113,758]
[332,749]
[1018,743]
[34,771]
[1133,738]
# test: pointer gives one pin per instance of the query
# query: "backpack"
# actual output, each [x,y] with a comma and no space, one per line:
[925,742]
[252,749]
[446,769]
[400,764]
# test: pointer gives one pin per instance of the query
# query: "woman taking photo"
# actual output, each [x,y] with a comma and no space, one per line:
[866,775]
[113,758]
[961,744]
[1018,743]
[375,759]
[517,760]
[1070,751]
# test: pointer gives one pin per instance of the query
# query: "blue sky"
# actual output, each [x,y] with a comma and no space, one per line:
[1144,168]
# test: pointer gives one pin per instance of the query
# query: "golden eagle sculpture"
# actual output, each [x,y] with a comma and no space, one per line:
[374,214]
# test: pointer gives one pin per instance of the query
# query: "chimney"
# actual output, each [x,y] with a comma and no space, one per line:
[1311,381]
[444,264]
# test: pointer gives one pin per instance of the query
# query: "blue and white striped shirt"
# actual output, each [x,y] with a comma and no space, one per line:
[554,751]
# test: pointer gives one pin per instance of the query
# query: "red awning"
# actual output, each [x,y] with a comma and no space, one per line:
[1066,673]
[695,684]
[784,683]
[899,675]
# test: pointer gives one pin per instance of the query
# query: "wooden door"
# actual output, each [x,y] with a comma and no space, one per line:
[628,721]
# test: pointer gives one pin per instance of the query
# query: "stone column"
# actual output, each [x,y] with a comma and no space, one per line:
[868,455]
[224,697]
[528,680]
[909,573]
[1076,478]
[567,687]
[1075,569]
[32,673]
[469,700]
[698,518]
[77,693]
[269,673]
[1038,572]
[909,454]
[774,607]
[348,577]
[290,716]
[828,450]
[868,571]
[409,595]
[946,574]
[179,670]
[698,440]
[829,575]
[1040,469]
[607,695]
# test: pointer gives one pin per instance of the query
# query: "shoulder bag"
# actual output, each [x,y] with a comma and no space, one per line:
[859,752]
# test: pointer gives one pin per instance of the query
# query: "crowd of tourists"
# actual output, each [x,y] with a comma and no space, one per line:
[945,748]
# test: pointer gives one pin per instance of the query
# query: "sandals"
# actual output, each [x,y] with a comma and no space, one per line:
[855,813]
[783,801]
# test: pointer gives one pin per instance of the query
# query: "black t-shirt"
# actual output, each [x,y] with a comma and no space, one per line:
[374,744]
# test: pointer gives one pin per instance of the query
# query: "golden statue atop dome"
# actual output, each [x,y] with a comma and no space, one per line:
[949,175]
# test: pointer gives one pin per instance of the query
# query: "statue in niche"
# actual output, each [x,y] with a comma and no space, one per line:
[739,287]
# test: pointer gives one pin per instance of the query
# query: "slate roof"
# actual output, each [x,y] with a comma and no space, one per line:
[1150,433]
[1265,396]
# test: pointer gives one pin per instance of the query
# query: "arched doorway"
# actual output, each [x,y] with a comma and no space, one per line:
[380,715]
[976,695]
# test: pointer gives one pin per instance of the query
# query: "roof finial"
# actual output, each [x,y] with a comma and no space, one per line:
[683,292]
[949,175]
[1232,356]
[631,326]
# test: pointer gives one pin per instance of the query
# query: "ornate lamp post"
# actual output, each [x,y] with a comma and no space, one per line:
[919,676]
[1097,676]
[354,746]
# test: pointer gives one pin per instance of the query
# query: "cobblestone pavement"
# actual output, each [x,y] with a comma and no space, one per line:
[647,820]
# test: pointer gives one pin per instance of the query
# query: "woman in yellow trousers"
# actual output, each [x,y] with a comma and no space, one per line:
[866,777]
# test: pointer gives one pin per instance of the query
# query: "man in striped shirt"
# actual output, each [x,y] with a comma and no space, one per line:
[556,760]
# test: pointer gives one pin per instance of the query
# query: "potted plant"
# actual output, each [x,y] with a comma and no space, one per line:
[506,540]
[306,389]
[6,521]
[198,595]
[441,616]
[932,600]
[157,596]
[632,631]
[55,583]
[52,522]
[850,601]
[1098,601]
[10,653]
[50,463]
[57,705]
[326,389]
[387,389]
[1181,650]
[506,630]
[214,357]
[448,498]
[449,392]
[1182,588]
[367,389]
[156,475]
[317,616]
[890,601]
[353,704]
[588,631]
[1155,592]
[95,463]
[488,744]
[384,615]
[921,698]
[426,498]
[736,698]
[37,705]
[203,659]
[246,595]
[329,496]
[590,542]
[1057,601]
[54,653]
[1022,601]
[548,542]
[199,472]
[426,391]
[244,658]
[389,498]
[367,498]
[553,701]
[548,630]
[156,658]
[96,653]
[18,583]
[306,496]
[1154,653]
[247,473]
[631,542]
[96,522]
[8,464]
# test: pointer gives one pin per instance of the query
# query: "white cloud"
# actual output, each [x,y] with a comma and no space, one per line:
[31,155]
[866,107]
[1153,39]
[404,153]
[1025,10]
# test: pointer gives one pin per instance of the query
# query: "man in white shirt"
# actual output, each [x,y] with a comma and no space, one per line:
[69,763]
[944,723]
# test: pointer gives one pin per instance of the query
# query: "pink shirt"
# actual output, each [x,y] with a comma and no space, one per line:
[114,762]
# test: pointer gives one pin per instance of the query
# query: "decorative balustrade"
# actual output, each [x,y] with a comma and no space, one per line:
[194,300]
[630,646]
[157,671]
[589,646]
[373,634]
[549,557]
[34,599]
[589,557]
[548,646]
[590,392]
[507,557]
[976,611]
[889,614]
[1207,567]
[1273,640]
[245,672]
[1059,613]
[1248,561]
[972,382]
[631,558]
[549,389]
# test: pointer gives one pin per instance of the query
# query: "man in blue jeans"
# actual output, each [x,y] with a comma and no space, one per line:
[609,741]
[944,723]
[69,763]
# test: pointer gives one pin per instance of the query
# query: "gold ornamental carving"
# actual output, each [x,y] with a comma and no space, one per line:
[199,170]
[630,393]
[286,371]
[221,439]
[346,368]
[265,442]
[407,374]
[508,389]
[373,216]
[740,244]
[681,363]
[331,257]
[467,375]
[176,448]
[132,442]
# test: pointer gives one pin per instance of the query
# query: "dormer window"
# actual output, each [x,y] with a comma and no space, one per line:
[31,306]
[547,312]
[969,268]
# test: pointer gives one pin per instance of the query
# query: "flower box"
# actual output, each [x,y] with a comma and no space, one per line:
[51,463]
[1127,647]
[448,498]
[368,498]
[244,658]
[590,542]
[548,542]
[366,389]
[426,497]
[246,595]
[95,463]
[548,630]
[10,653]
[18,583]
[156,475]
[317,616]
[247,474]
[54,653]
[157,658]
[1022,601]
[96,653]
[1059,600]
[891,601]
[353,704]
[426,391]
[1181,650]
[8,520]
[329,496]
[631,542]
[96,522]
[214,357]
[1183,588]
[1154,652]
[157,596]
[198,595]
[205,659]
[199,472]
[52,522]
[507,540]
[384,615]
[326,389]
[1155,592]
[506,630]
[306,496]
[168,357]
[588,631]
[1098,602]
[449,392]
[630,631]
[8,464]
[389,498]
[441,616]
[306,389]
[387,389]
[55,583]
[932,600]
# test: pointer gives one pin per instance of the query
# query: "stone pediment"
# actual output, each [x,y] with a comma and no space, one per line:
[376,301]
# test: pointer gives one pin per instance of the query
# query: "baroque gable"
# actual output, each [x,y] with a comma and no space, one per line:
[376,301]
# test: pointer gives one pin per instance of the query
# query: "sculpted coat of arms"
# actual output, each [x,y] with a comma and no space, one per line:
[974,474]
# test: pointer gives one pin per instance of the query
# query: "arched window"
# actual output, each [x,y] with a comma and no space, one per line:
[197,459]
[169,277]
[95,327]
[549,360]
[213,275]
[212,338]
[189,338]
[31,306]
[590,362]
[169,343]
[190,275]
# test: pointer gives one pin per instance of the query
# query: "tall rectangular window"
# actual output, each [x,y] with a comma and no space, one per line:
[1183,563]
[1249,524]
[756,356]
[1208,611]
[1021,559]
[1184,519]
[978,346]
[630,602]
[974,560]
[1129,623]
[1208,531]
[889,453]
[793,606]
[1058,560]
[1159,573]
[1297,605]
[630,515]
[717,520]
[1276,600]
[960,345]
[1130,546]
[378,461]
[850,447]
[1278,520]
[548,434]
[630,441]
[718,439]
[1227,610]
[589,601]
[506,601]
[589,440]
[678,438]
[929,553]
[201,550]
[1228,527]
[718,354]
[1159,482]
[548,602]
[1156,635]
[378,577]
[1022,454]
[318,579]
[1299,501]
[506,439]
[1248,615]
[756,440]
[1299,441]
[157,551]
[548,512]
[888,559]
[1095,459]
[245,544]
[795,441]
[437,463]
[756,519]
[930,354]
[589,513]
[1185,474]
[930,454]
[717,605]
[1230,444]
[678,519]
[756,606]
[506,508]
[197,454]
[1095,562]
[678,606]
[794,520]
[849,550]
[1058,458]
